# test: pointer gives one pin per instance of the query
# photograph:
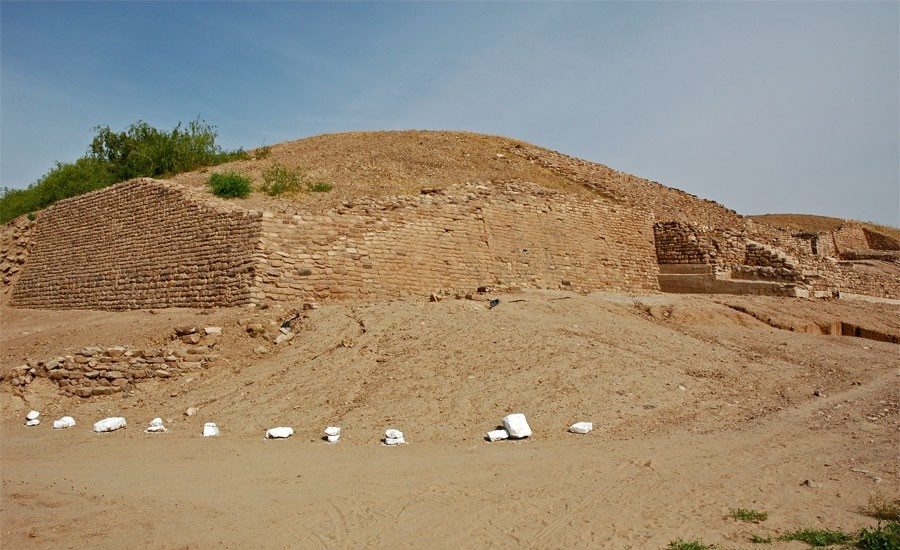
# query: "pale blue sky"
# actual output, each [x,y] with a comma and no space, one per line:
[765,107]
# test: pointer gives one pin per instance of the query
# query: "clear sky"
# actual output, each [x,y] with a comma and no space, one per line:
[765,107]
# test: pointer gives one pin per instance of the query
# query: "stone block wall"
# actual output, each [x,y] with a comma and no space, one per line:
[880,241]
[849,237]
[96,371]
[682,243]
[140,244]
[15,245]
[456,240]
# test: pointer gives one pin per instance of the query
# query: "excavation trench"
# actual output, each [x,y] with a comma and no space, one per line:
[832,328]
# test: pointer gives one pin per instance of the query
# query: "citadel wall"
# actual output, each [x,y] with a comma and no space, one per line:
[139,244]
[456,240]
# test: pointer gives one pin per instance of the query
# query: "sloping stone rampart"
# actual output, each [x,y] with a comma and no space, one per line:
[456,239]
[140,244]
[151,244]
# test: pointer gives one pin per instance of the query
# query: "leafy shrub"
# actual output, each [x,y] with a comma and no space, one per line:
[278,179]
[756,539]
[319,187]
[880,538]
[230,184]
[139,151]
[61,182]
[142,150]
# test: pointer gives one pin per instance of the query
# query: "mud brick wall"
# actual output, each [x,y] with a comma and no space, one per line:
[456,240]
[95,371]
[879,241]
[140,244]
[682,243]
[665,203]
[881,279]
[849,237]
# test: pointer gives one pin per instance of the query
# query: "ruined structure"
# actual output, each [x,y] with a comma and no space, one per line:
[151,244]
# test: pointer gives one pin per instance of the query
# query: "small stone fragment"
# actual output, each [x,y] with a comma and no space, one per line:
[64,422]
[156,426]
[109,424]
[279,433]
[581,427]
[210,429]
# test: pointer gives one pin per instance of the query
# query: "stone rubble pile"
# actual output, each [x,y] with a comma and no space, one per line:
[98,371]
[32,418]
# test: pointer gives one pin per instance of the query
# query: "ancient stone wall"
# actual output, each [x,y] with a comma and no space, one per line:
[15,245]
[96,371]
[456,240]
[682,243]
[140,244]
[880,241]
[665,203]
[850,237]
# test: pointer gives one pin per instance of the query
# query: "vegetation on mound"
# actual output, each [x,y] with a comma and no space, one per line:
[883,509]
[279,179]
[748,515]
[230,185]
[885,537]
[689,545]
[139,151]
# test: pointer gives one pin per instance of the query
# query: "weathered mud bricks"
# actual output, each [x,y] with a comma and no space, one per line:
[148,243]
[140,244]
[456,239]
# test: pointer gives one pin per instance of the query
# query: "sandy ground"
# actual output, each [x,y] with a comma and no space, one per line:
[698,409]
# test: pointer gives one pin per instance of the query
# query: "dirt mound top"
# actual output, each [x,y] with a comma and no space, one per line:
[817,224]
[373,164]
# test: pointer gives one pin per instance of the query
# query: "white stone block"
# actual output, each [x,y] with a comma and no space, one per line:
[333,430]
[517,426]
[156,426]
[64,422]
[32,415]
[33,422]
[496,435]
[393,434]
[109,424]
[581,427]
[210,429]
[394,440]
[333,438]
[279,433]
[213,330]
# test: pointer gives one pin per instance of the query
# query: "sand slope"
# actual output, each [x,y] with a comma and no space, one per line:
[663,462]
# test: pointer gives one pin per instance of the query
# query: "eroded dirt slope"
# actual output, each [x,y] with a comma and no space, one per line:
[698,408]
